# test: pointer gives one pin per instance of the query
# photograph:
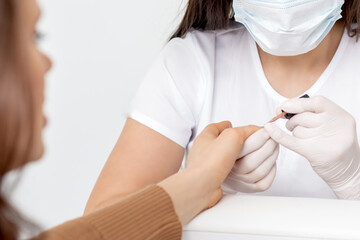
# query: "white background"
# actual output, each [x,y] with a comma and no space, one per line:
[101,49]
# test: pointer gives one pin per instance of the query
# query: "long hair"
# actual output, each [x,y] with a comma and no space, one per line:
[16,110]
[351,16]
[217,14]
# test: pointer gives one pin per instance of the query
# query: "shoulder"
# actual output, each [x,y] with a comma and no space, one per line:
[188,63]
[198,48]
[199,41]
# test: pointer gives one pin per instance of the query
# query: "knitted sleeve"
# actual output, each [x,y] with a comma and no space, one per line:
[147,214]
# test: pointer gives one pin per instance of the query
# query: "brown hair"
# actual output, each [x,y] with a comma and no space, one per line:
[16,110]
[217,14]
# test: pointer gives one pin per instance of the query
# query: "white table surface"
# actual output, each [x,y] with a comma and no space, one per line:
[269,218]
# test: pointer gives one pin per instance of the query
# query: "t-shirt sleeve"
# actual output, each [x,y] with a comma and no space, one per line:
[170,96]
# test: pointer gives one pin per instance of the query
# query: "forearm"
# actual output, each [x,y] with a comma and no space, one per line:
[127,170]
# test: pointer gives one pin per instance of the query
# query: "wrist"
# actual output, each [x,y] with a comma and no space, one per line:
[345,181]
[190,193]
[350,189]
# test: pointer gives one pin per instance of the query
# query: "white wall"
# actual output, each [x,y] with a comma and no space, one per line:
[101,50]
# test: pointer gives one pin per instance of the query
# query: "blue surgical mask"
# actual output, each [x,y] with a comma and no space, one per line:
[288,27]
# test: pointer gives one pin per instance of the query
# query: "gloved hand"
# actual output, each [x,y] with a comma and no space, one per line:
[255,169]
[325,134]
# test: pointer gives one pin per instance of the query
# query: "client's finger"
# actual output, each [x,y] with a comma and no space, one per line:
[215,129]
[229,144]
[247,131]
[235,137]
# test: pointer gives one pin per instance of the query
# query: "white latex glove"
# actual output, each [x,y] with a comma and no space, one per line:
[325,134]
[256,168]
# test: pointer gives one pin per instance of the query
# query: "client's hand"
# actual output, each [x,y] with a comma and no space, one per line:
[210,160]
[214,153]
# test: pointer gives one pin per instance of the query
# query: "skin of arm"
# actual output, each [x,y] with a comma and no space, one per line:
[141,157]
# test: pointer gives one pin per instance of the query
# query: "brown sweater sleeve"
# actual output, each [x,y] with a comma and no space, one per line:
[148,214]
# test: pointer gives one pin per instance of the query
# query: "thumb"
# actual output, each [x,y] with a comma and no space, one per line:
[242,133]
[215,129]
[280,136]
[232,141]
[247,131]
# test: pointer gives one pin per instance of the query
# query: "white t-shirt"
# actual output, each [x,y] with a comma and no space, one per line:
[212,76]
